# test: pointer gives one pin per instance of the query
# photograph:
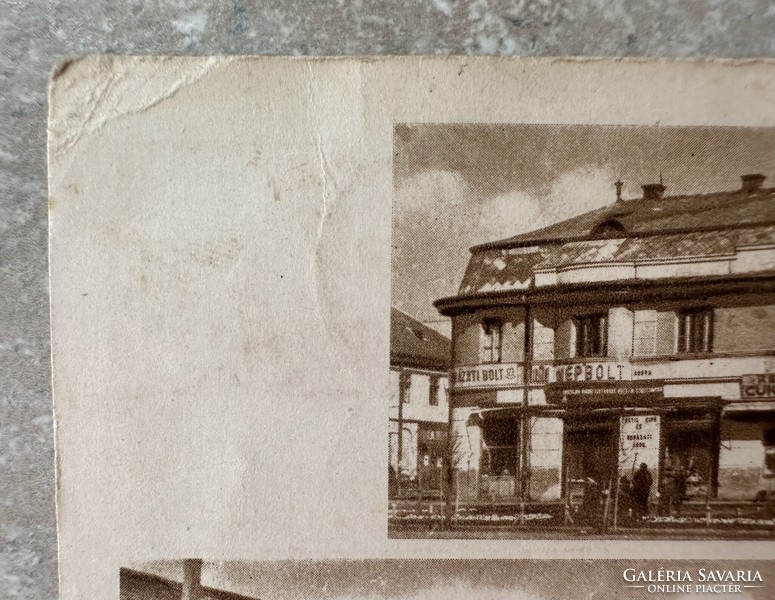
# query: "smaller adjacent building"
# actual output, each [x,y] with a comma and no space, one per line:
[419,409]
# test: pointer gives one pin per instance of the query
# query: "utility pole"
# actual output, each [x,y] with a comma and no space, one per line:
[450,472]
[525,429]
[403,388]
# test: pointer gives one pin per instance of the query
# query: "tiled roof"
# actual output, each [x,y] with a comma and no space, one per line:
[709,225]
[414,344]
[671,213]
[492,270]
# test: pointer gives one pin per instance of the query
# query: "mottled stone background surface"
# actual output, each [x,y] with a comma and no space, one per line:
[36,34]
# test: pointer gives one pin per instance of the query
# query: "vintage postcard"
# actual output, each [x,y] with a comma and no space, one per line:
[413,327]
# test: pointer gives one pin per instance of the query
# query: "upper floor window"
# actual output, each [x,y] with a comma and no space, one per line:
[433,395]
[695,330]
[404,385]
[592,335]
[492,333]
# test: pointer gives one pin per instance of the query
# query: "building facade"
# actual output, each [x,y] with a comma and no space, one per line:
[641,332]
[419,408]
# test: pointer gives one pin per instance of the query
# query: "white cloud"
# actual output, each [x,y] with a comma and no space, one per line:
[572,193]
[437,216]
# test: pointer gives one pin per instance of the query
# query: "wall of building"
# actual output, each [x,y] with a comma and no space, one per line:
[739,325]
[466,453]
[546,458]
[417,412]
[741,460]
[409,448]
[744,328]
[643,337]
[467,335]
[417,402]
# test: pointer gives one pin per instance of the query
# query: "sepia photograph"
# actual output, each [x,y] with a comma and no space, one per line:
[412,328]
[196,579]
[582,332]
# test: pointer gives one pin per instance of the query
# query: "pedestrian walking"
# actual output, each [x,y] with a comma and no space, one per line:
[641,488]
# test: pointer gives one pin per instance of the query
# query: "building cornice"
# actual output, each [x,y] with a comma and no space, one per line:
[610,292]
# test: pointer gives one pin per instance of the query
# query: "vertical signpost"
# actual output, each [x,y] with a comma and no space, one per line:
[639,443]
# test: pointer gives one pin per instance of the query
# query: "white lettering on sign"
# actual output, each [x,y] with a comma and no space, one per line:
[754,387]
[603,371]
[639,443]
[493,375]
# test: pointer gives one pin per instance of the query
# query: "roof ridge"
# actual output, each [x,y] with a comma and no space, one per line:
[638,209]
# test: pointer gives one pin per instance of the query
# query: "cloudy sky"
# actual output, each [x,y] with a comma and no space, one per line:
[460,185]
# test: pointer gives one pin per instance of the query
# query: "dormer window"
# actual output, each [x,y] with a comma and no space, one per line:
[609,228]
[492,330]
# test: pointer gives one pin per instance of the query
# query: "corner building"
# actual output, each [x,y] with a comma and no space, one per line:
[643,331]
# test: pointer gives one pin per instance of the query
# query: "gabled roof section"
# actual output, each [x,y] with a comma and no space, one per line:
[414,344]
[698,212]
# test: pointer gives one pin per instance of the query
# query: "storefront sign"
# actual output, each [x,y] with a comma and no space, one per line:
[487,376]
[755,387]
[605,393]
[593,371]
[752,387]
[639,443]
[582,371]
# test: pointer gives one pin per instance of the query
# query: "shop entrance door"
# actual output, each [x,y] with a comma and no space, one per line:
[591,453]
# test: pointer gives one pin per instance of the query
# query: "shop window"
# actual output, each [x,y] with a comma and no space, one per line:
[435,435]
[687,448]
[492,334]
[433,395]
[591,335]
[500,439]
[695,330]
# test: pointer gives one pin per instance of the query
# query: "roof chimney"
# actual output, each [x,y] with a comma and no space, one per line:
[752,182]
[653,191]
[619,183]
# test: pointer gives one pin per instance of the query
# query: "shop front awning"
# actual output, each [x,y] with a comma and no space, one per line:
[692,406]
